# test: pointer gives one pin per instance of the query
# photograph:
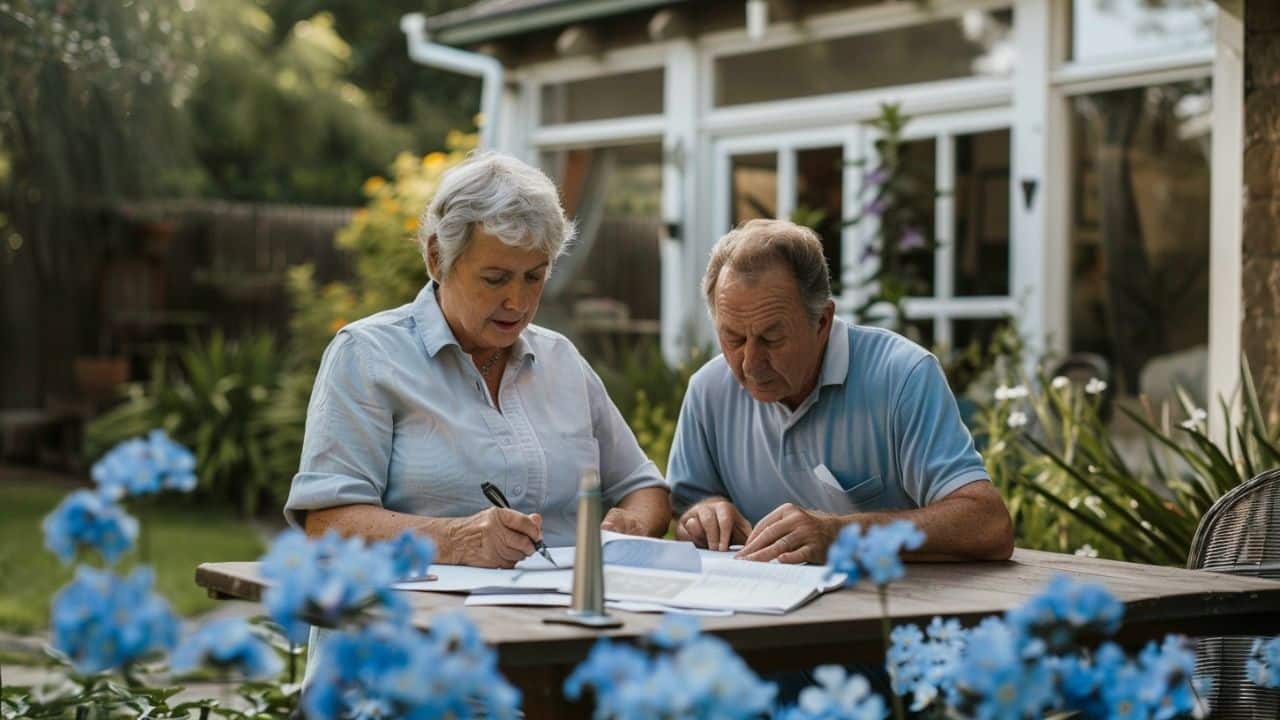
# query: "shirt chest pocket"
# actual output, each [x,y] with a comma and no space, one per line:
[848,493]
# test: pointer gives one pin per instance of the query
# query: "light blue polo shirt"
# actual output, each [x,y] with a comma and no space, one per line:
[882,420]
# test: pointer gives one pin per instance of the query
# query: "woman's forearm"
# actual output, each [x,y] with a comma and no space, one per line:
[652,507]
[375,524]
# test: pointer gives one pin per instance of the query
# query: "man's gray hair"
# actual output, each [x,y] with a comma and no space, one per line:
[758,245]
[508,198]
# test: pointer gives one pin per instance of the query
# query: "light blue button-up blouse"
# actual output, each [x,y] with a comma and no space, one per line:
[400,418]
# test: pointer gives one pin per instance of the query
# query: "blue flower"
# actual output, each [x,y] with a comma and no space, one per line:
[1067,610]
[102,622]
[389,669]
[1000,679]
[411,555]
[175,464]
[837,696]
[701,677]
[127,469]
[676,630]
[86,519]
[876,555]
[1264,663]
[141,467]
[608,667]
[881,549]
[229,644]
[329,580]
[1169,687]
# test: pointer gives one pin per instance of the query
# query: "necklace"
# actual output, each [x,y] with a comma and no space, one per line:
[488,364]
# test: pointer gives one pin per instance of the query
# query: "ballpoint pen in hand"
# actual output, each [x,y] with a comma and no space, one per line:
[496,497]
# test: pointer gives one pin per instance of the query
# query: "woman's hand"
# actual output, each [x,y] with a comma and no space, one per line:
[497,537]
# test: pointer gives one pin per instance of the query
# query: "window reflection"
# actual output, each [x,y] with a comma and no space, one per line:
[1140,235]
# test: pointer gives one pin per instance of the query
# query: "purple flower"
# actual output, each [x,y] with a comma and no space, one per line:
[876,207]
[912,239]
[876,177]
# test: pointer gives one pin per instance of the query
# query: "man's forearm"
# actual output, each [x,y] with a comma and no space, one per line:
[970,524]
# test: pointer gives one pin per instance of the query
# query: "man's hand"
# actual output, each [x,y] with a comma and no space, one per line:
[792,534]
[714,524]
[627,522]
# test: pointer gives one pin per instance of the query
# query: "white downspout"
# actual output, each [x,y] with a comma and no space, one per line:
[489,70]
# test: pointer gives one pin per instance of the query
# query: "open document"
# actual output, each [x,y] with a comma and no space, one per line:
[665,573]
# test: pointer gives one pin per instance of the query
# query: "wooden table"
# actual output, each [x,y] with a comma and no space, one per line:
[844,626]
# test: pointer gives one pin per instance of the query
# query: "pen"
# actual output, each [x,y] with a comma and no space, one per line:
[496,497]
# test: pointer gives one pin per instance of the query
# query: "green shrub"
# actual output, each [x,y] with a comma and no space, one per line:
[215,402]
[1069,485]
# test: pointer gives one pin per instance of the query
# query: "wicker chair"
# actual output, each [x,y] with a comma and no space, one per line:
[1240,535]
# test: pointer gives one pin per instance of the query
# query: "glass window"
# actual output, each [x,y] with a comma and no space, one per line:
[919,163]
[1116,29]
[979,43]
[982,214]
[754,187]
[1140,235]
[603,98]
[819,199]
[605,292]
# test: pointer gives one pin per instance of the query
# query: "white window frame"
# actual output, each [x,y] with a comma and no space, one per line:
[944,307]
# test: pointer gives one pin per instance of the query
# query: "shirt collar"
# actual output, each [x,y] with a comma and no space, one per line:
[835,360]
[435,332]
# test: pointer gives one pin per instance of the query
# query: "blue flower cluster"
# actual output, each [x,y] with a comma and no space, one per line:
[1264,663]
[691,676]
[102,622]
[333,579]
[141,467]
[1065,613]
[837,696]
[1030,663]
[227,644]
[922,664]
[876,555]
[86,519]
[391,670]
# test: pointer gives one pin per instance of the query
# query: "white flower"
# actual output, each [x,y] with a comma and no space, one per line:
[1017,419]
[1133,504]
[1094,503]
[1198,416]
[1145,525]
[1017,392]
[1060,382]
[1095,386]
[1087,550]
[1002,393]
[1074,502]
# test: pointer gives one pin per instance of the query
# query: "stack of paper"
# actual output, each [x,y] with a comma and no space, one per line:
[643,574]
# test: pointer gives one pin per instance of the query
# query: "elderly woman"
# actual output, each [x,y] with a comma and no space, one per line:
[413,408]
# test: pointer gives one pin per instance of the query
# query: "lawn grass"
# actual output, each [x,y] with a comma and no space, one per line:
[179,538]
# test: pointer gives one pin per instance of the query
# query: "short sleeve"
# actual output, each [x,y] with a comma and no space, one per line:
[935,451]
[346,449]
[624,468]
[691,469]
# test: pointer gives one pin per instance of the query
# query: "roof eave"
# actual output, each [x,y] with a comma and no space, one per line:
[483,29]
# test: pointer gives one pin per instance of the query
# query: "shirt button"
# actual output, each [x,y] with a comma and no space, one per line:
[517,490]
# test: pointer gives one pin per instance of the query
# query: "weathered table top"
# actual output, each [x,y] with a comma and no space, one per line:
[845,625]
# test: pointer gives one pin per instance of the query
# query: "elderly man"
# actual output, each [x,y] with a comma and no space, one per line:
[806,424]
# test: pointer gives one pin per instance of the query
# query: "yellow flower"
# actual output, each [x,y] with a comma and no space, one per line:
[373,185]
[434,160]
[411,224]
[337,324]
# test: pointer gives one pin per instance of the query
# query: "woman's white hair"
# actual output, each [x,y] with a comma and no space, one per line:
[508,198]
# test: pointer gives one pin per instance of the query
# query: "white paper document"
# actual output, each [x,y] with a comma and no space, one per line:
[640,572]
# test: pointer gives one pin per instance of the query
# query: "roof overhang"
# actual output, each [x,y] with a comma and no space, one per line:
[452,30]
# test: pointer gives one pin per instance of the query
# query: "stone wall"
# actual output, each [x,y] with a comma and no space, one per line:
[1261,222]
